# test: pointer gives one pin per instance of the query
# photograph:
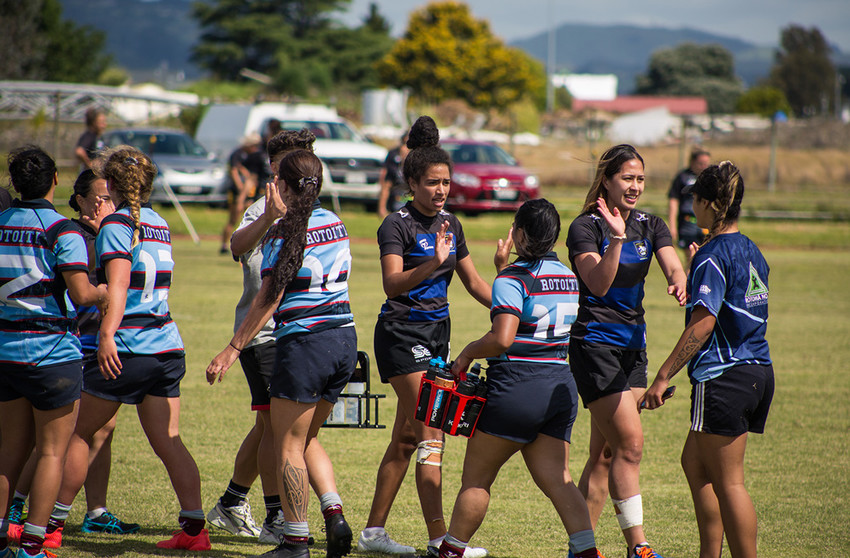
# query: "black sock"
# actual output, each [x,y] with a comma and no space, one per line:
[272,507]
[234,495]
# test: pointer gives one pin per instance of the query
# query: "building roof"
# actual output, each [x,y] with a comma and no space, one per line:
[636,103]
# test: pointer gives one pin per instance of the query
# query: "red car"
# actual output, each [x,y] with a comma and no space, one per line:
[486,178]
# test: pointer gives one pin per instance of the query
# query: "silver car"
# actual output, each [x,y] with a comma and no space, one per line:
[194,174]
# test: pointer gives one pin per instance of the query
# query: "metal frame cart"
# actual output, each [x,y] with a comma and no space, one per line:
[353,409]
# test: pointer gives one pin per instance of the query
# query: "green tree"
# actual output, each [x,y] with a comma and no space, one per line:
[693,70]
[804,71]
[763,100]
[46,47]
[448,54]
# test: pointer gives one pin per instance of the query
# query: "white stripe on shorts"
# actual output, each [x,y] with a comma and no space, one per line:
[699,407]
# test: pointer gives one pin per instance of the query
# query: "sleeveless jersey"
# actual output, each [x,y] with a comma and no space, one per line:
[147,327]
[37,325]
[729,278]
[317,297]
[543,294]
[411,235]
[616,319]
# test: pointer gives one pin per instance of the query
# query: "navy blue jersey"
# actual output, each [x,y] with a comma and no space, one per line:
[317,297]
[543,294]
[37,324]
[147,327]
[729,278]
[411,235]
[616,319]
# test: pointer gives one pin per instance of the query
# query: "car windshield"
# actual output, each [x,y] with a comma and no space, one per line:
[481,153]
[157,143]
[323,130]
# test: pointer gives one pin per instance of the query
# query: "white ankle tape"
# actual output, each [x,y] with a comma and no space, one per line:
[430,452]
[629,511]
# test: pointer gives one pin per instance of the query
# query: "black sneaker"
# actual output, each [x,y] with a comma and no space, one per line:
[287,550]
[339,536]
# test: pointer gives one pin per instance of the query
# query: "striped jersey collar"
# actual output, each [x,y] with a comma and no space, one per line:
[39,203]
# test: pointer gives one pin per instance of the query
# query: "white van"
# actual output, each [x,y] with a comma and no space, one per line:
[352,163]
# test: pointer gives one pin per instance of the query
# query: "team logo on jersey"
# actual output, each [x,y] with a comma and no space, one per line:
[642,249]
[756,294]
[641,216]
[704,289]
[420,353]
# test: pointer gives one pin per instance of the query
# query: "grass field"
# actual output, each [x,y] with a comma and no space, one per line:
[798,472]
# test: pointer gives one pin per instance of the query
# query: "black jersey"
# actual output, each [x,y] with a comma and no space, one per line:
[617,318]
[411,235]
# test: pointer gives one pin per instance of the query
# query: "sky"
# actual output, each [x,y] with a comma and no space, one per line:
[755,21]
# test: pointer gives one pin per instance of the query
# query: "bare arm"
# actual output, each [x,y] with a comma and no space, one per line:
[493,343]
[82,291]
[385,193]
[671,266]
[475,285]
[118,279]
[696,333]
[245,239]
[673,218]
[257,316]
[81,154]
[397,281]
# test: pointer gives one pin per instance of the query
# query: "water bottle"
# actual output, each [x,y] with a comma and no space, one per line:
[469,418]
[462,395]
[426,389]
[443,384]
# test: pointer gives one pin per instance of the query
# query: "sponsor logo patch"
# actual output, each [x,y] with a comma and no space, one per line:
[756,294]
[420,352]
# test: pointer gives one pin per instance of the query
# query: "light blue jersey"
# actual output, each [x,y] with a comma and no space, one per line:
[317,298]
[37,325]
[543,294]
[147,327]
[729,278]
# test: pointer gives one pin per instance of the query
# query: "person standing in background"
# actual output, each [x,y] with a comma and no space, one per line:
[90,142]
[393,184]
[243,183]
[681,218]
[5,199]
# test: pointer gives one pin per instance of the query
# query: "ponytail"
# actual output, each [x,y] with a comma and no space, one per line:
[130,173]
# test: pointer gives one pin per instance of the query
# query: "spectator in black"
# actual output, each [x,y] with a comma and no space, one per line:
[90,143]
[681,219]
[393,185]
[5,199]
[246,168]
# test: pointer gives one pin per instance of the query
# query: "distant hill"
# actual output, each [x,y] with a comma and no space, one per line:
[625,50]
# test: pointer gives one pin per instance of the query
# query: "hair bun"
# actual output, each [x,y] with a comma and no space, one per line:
[423,133]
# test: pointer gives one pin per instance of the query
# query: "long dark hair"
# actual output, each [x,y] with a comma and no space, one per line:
[723,186]
[301,170]
[31,171]
[540,223]
[423,140]
[609,164]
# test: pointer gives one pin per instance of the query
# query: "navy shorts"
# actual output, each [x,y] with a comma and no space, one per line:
[733,403]
[141,375]
[525,399]
[406,347]
[258,364]
[313,366]
[45,387]
[601,370]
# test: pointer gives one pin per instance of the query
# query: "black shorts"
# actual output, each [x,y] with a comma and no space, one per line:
[258,364]
[406,347]
[689,233]
[601,370]
[525,399]
[733,403]
[141,375]
[313,366]
[45,387]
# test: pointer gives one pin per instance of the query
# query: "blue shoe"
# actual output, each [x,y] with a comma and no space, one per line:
[7,553]
[16,512]
[108,523]
[43,554]
[645,551]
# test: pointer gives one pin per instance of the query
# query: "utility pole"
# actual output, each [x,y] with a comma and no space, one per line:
[550,63]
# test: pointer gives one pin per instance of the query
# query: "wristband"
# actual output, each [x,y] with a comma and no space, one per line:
[234,347]
[620,237]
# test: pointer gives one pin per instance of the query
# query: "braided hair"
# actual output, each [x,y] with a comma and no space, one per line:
[423,140]
[301,171]
[31,172]
[130,174]
[723,186]
[540,223]
[609,164]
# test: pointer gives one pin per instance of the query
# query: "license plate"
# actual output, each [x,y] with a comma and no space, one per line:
[355,177]
[505,194]
[190,190]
